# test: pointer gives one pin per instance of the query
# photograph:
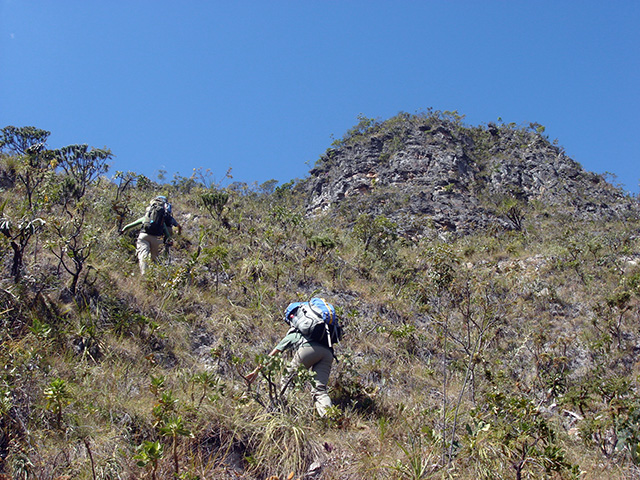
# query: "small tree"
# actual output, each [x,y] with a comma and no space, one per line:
[321,245]
[513,211]
[82,165]
[217,255]
[149,453]
[174,428]
[376,234]
[73,245]
[34,160]
[19,234]
[511,430]
[57,396]
[214,201]
[21,139]
[119,204]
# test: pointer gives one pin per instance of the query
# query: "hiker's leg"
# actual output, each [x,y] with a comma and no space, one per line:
[143,250]
[293,367]
[156,244]
[318,359]
[322,369]
[147,247]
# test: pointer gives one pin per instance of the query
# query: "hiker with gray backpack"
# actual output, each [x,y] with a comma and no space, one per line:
[314,330]
[157,230]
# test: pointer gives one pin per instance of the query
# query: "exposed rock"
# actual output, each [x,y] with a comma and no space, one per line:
[456,177]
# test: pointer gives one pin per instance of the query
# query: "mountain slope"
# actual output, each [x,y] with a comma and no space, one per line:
[471,353]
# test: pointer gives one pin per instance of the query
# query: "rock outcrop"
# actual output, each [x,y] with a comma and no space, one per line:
[455,177]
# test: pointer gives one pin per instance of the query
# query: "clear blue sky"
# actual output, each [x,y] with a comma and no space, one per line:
[262,86]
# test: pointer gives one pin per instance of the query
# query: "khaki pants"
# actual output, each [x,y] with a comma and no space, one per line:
[147,247]
[318,359]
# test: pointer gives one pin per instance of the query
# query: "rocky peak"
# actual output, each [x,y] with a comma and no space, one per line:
[453,176]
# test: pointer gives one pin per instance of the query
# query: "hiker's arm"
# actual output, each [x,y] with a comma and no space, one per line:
[286,343]
[174,223]
[168,229]
[167,234]
[177,225]
[132,224]
[250,377]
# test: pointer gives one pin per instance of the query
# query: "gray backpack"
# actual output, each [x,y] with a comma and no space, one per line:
[316,320]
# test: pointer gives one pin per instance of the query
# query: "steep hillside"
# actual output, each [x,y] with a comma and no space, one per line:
[469,353]
[454,176]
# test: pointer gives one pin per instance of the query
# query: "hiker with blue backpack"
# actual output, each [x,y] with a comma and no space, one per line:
[314,330]
[157,230]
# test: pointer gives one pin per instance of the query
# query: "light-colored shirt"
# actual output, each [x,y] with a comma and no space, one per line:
[293,339]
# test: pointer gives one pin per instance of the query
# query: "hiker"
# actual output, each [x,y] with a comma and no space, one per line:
[157,228]
[314,353]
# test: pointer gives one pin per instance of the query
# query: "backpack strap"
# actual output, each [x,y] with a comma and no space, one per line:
[326,327]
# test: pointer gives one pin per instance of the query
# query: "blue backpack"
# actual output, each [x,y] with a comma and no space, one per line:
[316,320]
